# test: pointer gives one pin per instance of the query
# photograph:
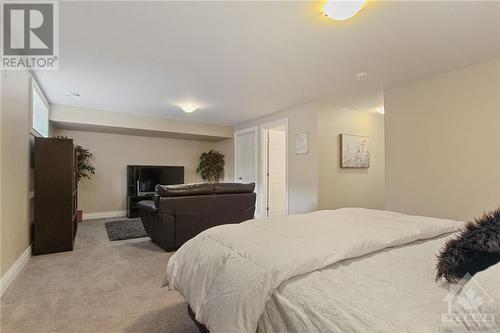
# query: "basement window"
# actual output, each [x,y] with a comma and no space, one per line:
[39,110]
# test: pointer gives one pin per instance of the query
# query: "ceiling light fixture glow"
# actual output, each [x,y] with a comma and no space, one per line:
[342,9]
[188,107]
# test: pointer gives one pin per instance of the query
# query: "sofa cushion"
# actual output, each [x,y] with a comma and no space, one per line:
[184,190]
[233,188]
[148,206]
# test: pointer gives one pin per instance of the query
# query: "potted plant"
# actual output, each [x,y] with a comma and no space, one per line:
[211,166]
[84,169]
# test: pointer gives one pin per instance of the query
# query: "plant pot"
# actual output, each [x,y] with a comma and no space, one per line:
[79,216]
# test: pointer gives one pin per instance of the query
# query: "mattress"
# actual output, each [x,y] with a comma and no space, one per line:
[392,290]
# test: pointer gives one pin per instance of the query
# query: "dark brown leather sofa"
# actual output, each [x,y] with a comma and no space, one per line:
[180,212]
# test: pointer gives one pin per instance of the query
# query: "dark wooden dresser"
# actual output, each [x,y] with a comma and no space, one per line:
[55,195]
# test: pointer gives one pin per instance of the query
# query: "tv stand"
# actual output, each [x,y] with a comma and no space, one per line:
[142,180]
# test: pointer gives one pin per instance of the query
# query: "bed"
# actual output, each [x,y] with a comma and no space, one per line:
[346,270]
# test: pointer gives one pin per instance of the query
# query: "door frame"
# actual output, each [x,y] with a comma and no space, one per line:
[255,130]
[264,129]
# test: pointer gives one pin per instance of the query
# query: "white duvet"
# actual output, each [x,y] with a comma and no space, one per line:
[228,273]
[390,291]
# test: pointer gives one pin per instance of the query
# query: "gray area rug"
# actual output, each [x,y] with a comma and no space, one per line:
[125,229]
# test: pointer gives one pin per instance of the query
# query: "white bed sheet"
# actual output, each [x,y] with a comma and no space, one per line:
[392,290]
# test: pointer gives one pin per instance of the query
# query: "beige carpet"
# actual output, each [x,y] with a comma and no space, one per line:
[101,286]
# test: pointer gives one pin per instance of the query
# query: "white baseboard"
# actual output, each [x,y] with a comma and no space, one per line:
[14,270]
[102,215]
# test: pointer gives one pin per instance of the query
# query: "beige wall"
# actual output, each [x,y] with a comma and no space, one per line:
[443,143]
[226,147]
[15,220]
[302,169]
[338,187]
[2,269]
[106,191]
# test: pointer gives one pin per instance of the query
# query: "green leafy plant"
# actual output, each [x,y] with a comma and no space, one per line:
[84,167]
[211,166]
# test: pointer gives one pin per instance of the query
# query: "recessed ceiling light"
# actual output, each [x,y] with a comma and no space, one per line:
[342,9]
[380,110]
[71,94]
[188,107]
[361,76]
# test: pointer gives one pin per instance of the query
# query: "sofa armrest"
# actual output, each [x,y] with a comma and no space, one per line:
[159,227]
[148,206]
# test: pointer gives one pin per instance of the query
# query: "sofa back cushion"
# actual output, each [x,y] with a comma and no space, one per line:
[228,188]
[184,190]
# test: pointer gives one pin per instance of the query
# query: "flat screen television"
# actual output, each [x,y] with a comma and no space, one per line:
[142,179]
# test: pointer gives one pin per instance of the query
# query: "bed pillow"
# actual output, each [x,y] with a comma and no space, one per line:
[484,288]
[475,248]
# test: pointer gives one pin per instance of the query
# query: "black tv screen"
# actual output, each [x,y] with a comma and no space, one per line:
[147,177]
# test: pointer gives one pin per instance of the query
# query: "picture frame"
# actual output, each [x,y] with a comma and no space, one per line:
[355,151]
[302,143]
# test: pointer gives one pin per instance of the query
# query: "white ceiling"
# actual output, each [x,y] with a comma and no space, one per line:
[242,60]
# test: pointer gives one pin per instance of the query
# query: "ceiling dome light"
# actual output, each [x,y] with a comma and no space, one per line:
[342,9]
[188,107]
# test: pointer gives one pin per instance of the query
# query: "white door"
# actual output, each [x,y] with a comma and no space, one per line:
[276,172]
[245,157]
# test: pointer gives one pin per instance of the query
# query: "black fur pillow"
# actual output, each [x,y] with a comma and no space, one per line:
[476,248]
